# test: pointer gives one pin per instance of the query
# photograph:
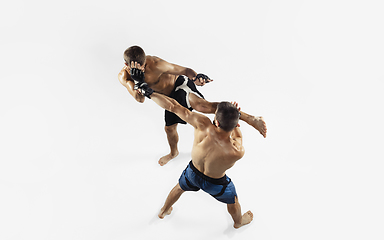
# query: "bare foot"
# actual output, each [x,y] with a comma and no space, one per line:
[245,219]
[164,160]
[259,124]
[162,213]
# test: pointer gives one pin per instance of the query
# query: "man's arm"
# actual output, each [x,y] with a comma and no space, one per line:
[174,69]
[197,120]
[127,82]
[237,141]
[237,136]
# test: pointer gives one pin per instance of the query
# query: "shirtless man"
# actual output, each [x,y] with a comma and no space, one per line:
[216,148]
[174,81]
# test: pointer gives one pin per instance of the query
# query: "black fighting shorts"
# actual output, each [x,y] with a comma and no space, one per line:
[183,86]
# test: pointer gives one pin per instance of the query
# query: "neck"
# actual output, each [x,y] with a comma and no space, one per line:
[222,134]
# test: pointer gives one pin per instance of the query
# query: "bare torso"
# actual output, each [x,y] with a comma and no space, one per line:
[160,75]
[156,78]
[212,154]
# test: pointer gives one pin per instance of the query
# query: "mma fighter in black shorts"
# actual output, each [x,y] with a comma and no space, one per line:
[176,82]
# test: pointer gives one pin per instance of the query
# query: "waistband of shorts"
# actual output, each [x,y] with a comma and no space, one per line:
[217,181]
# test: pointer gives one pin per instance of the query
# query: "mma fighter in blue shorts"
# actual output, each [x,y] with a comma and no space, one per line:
[178,83]
[216,148]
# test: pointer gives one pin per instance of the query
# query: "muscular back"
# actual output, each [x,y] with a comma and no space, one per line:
[213,154]
[214,150]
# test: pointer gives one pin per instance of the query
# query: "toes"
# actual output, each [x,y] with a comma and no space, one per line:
[170,210]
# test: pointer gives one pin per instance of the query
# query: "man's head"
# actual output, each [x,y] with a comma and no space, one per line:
[135,54]
[227,116]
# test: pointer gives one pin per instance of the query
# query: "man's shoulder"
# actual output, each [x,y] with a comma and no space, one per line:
[153,59]
[205,124]
[153,63]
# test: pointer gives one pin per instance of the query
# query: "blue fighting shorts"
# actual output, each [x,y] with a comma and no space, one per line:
[222,189]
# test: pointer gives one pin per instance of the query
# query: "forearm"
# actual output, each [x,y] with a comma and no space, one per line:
[139,98]
[174,69]
[135,94]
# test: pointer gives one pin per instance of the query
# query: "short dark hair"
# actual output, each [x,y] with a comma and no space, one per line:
[227,115]
[135,54]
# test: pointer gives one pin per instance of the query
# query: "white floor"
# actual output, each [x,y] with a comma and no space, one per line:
[78,156]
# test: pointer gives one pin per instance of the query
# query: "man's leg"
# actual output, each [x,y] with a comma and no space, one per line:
[203,106]
[173,196]
[235,211]
[173,139]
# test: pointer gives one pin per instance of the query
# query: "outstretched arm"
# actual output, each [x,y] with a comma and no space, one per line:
[174,69]
[195,119]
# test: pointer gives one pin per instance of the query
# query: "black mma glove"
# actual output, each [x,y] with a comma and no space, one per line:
[137,75]
[144,89]
[203,76]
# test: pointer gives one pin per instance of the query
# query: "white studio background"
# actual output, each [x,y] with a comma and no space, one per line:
[78,156]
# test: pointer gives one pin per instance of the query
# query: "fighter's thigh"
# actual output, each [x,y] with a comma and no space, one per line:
[185,184]
[229,196]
